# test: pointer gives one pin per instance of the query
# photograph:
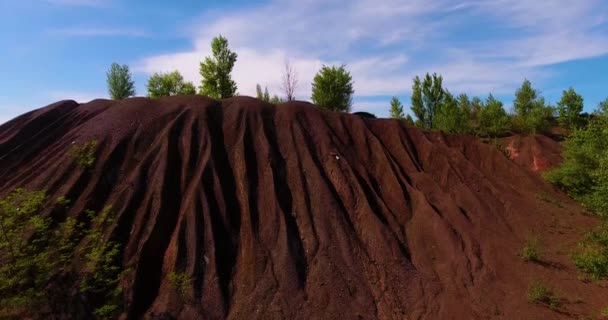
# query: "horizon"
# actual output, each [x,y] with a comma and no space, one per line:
[61,49]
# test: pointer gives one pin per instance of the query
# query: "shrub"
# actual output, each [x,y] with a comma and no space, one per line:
[181,283]
[84,155]
[169,84]
[539,293]
[38,271]
[584,172]
[531,249]
[604,312]
[591,256]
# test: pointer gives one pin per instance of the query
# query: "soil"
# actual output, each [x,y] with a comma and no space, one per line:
[289,212]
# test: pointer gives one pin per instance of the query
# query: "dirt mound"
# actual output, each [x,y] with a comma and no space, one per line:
[288,212]
[537,153]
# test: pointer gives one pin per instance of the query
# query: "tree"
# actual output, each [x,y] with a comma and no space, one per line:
[427,96]
[532,114]
[409,120]
[602,108]
[450,117]
[465,105]
[217,82]
[332,89]
[120,85]
[525,98]
[397,109]
[476,105]
[290,81]
[168,84]
[569,109]
[492,117]
[584,172]
[265,95]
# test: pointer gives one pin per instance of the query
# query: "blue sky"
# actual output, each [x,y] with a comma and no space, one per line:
[60,49]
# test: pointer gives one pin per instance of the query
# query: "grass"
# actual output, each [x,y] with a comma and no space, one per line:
[591,256]
[539,293]
[531,249]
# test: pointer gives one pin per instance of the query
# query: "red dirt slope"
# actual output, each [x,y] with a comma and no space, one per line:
[288,212]
[537,153]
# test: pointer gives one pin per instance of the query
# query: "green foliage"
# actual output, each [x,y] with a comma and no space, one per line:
[531,249]
[119,81]
[569,109]
[584,172]
[539,293]
[168,84]
[492,117]
[217,82]
[451,117]
[532,115]
[427,96]
[604,312]
[602,109]
[181,283]
[265,95]
[39,271]
[332,89]
[476,105]
[397,109]
[464,104]
[84,154]
[409,120]
[591,256]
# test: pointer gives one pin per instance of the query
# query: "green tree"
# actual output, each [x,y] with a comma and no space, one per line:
[265,95]
[532,114]
[602,108]
[427,97]
[216,71]
[120,85]
[168,84]
[492,117]
[465,105]
[397,109]
[476,105]
[409,120]
[525,99]
[449,117]
[569,109]
[584,172]
[332,89]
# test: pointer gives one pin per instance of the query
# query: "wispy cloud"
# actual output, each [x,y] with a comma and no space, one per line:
[78,96]
[97,32]
[385,43]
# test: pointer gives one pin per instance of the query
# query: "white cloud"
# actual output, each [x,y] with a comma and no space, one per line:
[97,32]
[78,96]
[385,43]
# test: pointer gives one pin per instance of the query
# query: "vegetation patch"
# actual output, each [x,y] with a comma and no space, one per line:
[531,249]
[45,262]
[181,283]
[591,256]
[84,154]
[540,293]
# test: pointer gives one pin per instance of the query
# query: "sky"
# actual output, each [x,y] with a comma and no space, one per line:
[52,50]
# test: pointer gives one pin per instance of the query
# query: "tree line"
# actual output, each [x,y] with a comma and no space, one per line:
[332,86]
[432,105]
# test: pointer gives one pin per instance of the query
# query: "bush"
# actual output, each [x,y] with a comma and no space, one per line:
[531,249]
[84,155]
[38,271]
[181,283]
[539,293]
[584,172]
[591,256]
[169,84]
